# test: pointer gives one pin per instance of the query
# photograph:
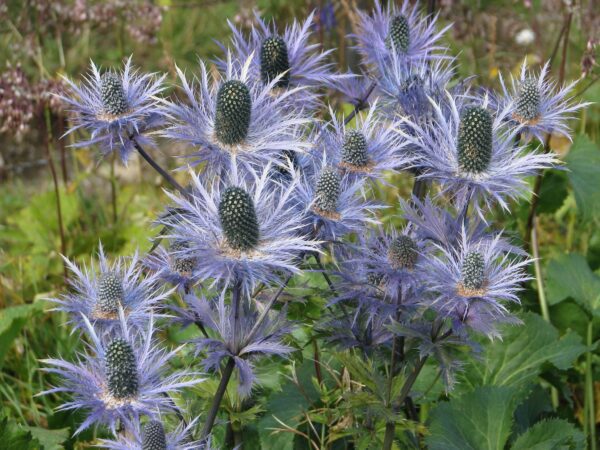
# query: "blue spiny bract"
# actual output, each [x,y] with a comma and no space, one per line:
[327,191]
[473,271]
[354,150]
[112,94]
[238,219]
[399,34]
[121,369]
[475,140]
[274,61]
[153,436]
[402,253]
[233,110]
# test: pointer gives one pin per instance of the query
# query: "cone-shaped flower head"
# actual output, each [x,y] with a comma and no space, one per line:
[238,219]
[474,147]
[115,106]
[121,369]
[110,294]
[398,38]
[172,265]
[528,100]
[232,116]
[274,61]
[473,271]
[354,150]
[402,252]
[153,436]
[327,192]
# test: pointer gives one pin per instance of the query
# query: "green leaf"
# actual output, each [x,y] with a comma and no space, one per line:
[13,437]
[583,162]
[50,439]
[518,358]
[569,275]
[12,320]
[553,434]
[480,420]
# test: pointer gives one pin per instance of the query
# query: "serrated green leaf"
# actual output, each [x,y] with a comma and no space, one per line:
[50,439]
[569,275]
[479,420]
[12,320]
[583,162]
[553,434]
[518,358]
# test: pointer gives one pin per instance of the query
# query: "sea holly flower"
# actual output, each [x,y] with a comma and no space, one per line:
[173,266]
[369,150]
[115,107]
[473,155]
[539,106]
[284,61]
[232,117]
[120,379]
[237,337]
[365,329]
[240,229]
[152,436]
[397,30]
[99,295]
[474,282]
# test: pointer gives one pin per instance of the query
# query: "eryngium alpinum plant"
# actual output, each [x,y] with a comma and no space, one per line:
[279,183]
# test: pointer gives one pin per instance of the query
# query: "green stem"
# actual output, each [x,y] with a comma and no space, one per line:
[113,189]
[589,388]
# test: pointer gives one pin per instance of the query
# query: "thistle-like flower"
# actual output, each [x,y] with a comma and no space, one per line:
[116,108]
[242,229]
[99,295]
[288,59]
[539,106]
[474,282]
[369,150]
[120,379]
[232,117]
[172,266]
[472,154]
[152,436]
[333,201]
[397,30]
[237,337]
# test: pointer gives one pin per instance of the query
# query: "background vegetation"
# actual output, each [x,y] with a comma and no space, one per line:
[547,368]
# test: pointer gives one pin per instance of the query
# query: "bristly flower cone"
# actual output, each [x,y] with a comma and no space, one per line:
[238,219]
[112,94]
[181,265]
[328,190]
[402,253]
[233,110]
[153,436]
[473,271]
[475,140]
[399,34]
[528,101]
[274,61]
[354,150]
[121,369]
[110,293]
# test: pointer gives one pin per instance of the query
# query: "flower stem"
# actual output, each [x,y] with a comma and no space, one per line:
[589,390]
[113,189]
[362,104]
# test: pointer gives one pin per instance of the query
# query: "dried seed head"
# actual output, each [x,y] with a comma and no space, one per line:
[473,271]
[354,150]
[528,101]
[475,140]
[153,436]
[238,219]
[402,253]
[112,94]
[327,191]
[398,34]
[121,369]
[232,117]
[110,293]
[274,61]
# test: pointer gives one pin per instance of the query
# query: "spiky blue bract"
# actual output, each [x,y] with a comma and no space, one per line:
[172,266]
[366,330]
[539,105]
[369,150]
[496,175]
[372,35]
[133,439]
[308,66]
[474,283]
[271,127]
[134,114]
[351,212]
[86,379]
[355,87]
[234,338]
[280,229]
[140,294]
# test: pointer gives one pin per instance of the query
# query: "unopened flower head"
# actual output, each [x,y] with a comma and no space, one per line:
[120,378]
[99,295]
[115,107]
[397,30]
[230,116]
[243,228]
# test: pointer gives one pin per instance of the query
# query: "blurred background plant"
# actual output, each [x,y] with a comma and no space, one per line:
[56,200]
